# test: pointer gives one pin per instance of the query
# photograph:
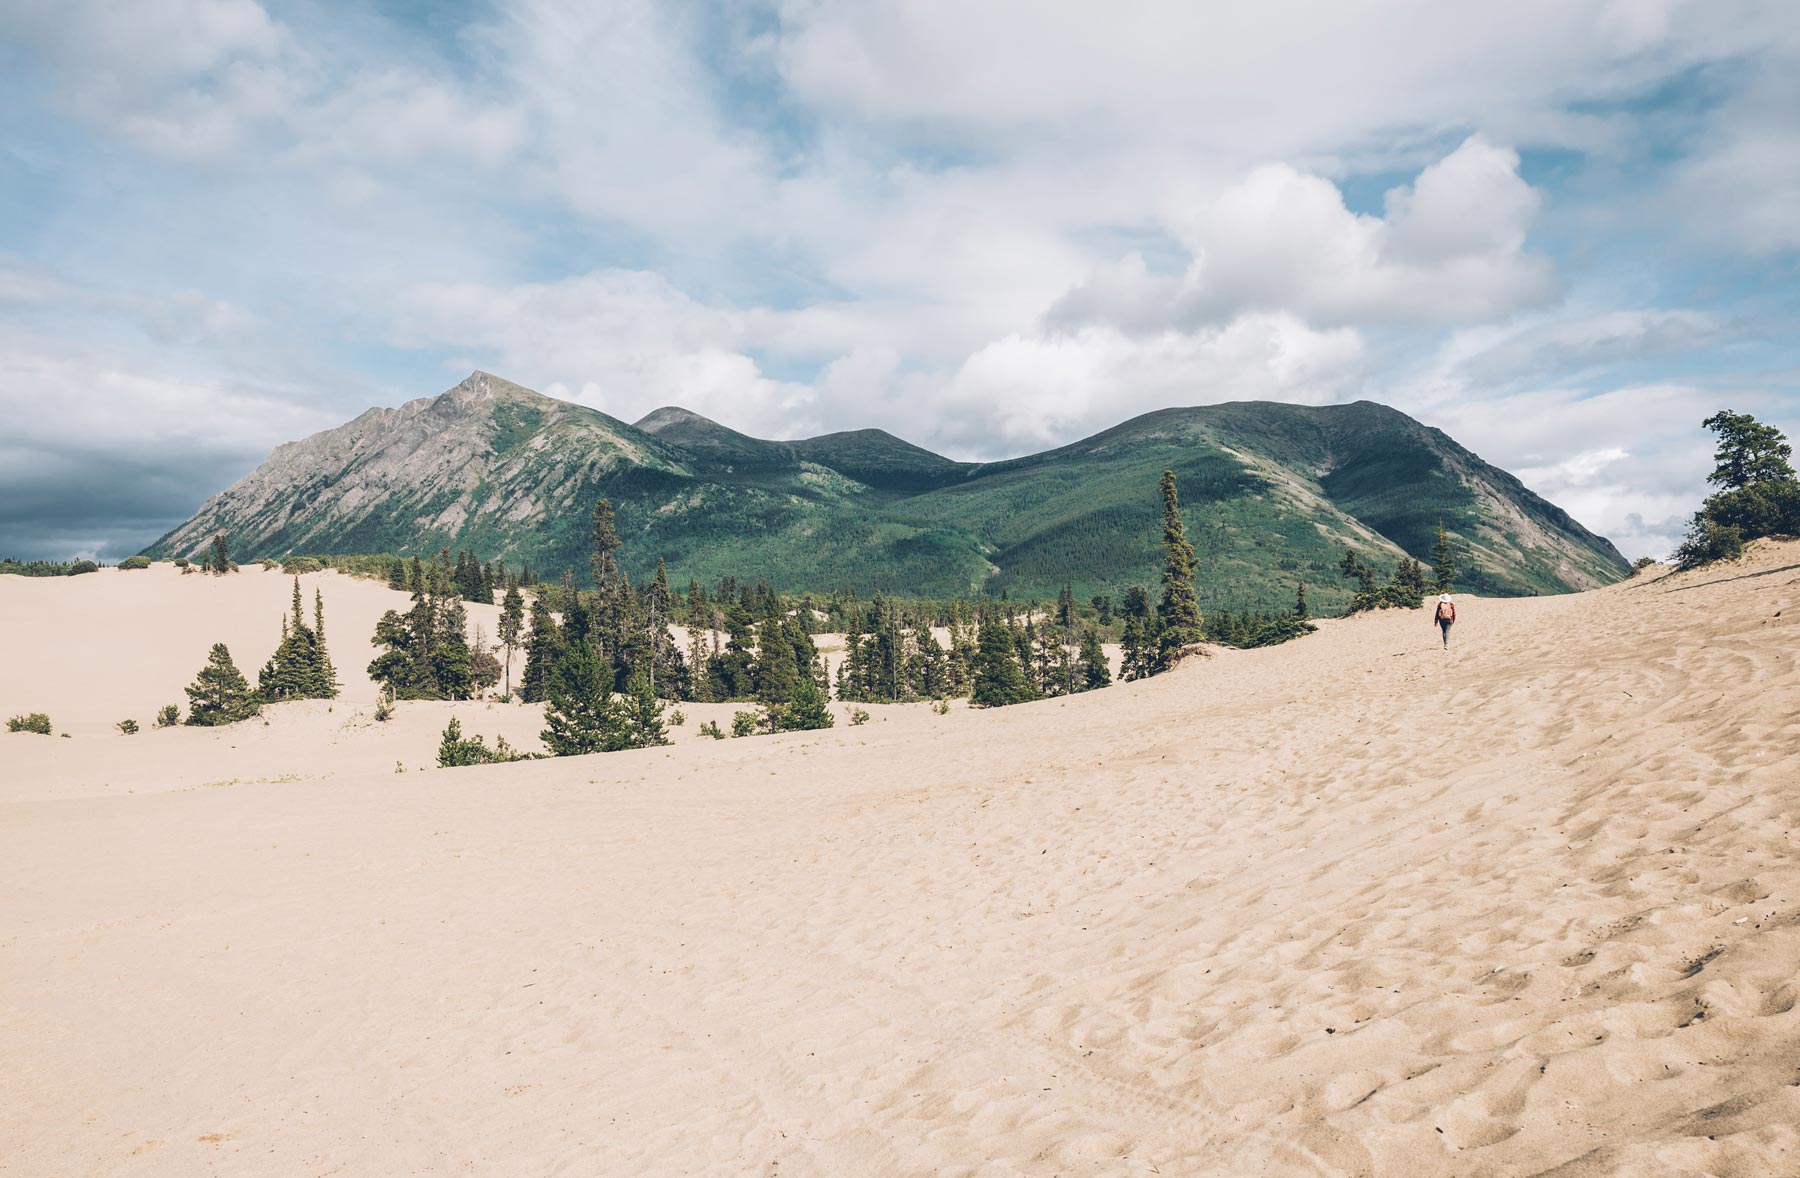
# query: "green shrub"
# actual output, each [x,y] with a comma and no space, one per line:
[168,716]
[678,717]
[295,565]
[858,717]
[131,563]
[1642,563]
[36,722]
[181,562]
[941,706]
[1278,630]
[83,566]
[745,723]
[711,728]
[128,727]
[455,751]
[384,707]
[269,565]
[1709,541]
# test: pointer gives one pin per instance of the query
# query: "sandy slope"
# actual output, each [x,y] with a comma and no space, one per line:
[1349,906]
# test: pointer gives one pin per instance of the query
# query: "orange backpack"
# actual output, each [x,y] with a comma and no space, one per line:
[1446,611]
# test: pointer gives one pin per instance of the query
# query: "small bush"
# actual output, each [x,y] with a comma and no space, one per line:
[1278,630]
[127,727]
[745,723]
[711,728]
[83,566]
[1708,542]
[941,707]
[678,717]
[384,707]
[132,563]
[456,751]
[1642,563]
[181,562]
[858,717]
[36,722]
[168,716]
[294,565]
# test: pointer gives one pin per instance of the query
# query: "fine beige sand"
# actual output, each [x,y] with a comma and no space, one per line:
[1351,906]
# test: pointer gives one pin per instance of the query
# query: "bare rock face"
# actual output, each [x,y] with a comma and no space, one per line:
[1274,493]
[486,449]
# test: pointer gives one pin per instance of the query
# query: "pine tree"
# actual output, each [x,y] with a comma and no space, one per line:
[219,558]
[1443,562]
[999,679]
[1300,609]
[1094,670]
[397,575]
[582,716]
[1179,610]
[512,626]
[220,694]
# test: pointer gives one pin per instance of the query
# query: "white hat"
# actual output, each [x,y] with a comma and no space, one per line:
[1443,597]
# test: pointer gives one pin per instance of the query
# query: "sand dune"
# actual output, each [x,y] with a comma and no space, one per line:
[1352,906]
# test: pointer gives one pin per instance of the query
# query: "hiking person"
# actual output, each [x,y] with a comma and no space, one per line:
[1446,616]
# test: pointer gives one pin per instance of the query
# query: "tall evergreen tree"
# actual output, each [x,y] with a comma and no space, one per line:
[604,558]
[543,653]
[1443,562]
[1094,670]
[219,556]
[1300,608]
[220,694]
[512,626]
[1179,610]
[776,667]
[1138,654]
[326,685]
[999,678]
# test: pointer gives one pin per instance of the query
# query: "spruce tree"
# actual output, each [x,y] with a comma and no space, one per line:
[604,558]
[543,653]
[1179,610]
[219,557]
[582,716]
[807,711]
[1094,671]
[1443,562]
[643,713]
[397,575]
[220,694]
[325,683]
[1300,609]
[999,679]
[776,668]
[1139,642]
[512,626]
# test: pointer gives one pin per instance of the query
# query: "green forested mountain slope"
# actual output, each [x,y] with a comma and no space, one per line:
[1272,494]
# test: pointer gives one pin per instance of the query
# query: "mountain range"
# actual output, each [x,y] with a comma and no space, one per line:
[1272,494]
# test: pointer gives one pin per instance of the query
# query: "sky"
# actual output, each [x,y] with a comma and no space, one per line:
[1563,232]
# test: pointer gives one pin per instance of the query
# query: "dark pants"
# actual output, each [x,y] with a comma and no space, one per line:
[1444,624]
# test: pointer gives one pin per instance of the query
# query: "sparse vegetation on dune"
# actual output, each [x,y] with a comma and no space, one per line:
[36,722]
